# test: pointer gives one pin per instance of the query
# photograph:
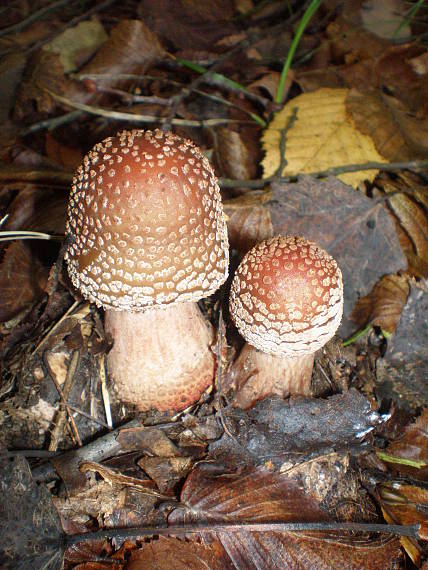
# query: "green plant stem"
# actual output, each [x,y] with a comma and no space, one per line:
[306,18]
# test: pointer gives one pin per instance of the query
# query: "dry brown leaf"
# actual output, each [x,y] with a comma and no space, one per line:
[188,24]
[160,553]
[269,83]
[236,153]
[249,220]
[322,136]
[412,446]
[374,118]
[402,372]
[383,306]
[260,495]
[22,281]
[397,133]
[131,47]
[384,17]
[44,72]
[408,201]
[404,504]
[65,156]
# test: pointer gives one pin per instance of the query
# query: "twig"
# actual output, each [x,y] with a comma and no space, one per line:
[53,123]
[164,101]
[8,235]
[283,143]
[33,17]
[88,416]
[137,118]
[64,408]
[14,172]
[55,326]
[221,337]
[125,533]
[257,184]
[104,390]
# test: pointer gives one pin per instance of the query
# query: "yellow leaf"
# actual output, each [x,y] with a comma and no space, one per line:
[323,136]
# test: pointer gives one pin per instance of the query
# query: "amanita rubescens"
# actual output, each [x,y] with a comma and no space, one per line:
[286,301]
[148,240]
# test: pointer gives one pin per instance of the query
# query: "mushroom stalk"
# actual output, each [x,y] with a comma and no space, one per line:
[162,357]
[255,375]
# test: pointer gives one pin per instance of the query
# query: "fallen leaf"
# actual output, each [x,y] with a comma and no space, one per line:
[22,281]
[382,307]
[190,25]
[397,132]
[275,429]
[132,47]
[68,157]
[249,220]
[236,153]
[30,529]
[357,231]
[408,455]
[403,503]
[386,19]
[186,556]
[260,495]
[406,196]
[77,44]
[402,372]
[322,136]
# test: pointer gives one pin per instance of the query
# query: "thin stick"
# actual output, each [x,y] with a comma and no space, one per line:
[104,390]
[128,533]
[64,408]
[32,18]
[137,118]
[256,184]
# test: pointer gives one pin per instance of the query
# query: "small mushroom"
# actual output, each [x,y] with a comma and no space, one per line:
[148,239]
[286,301]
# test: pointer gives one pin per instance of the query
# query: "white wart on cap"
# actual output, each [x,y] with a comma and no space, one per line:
[146,223]
[287,296]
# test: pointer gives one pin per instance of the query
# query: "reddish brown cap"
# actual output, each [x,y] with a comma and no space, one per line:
[146,222]
[287,296]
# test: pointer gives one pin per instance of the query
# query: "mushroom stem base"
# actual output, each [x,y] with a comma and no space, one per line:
[255,375]
[161,358]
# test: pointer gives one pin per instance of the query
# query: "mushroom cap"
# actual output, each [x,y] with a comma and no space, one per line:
[146,223]
[287,296]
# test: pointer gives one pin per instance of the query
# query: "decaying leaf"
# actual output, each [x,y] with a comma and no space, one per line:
[131,47]
[357,231]
[262,495]
[249,220]
[407,199]
[403,503]
[275,429]
[30,529]
[322,136]
[382,307]
[186,556]
[236,153]
[398,134]
[190,25]
[384,18]
[22,281]
[402,372]
[408,455]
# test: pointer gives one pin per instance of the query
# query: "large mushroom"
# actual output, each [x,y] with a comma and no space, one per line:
[286,301]
[148,239]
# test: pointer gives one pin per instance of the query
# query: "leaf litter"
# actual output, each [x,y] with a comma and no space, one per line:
[197,487]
